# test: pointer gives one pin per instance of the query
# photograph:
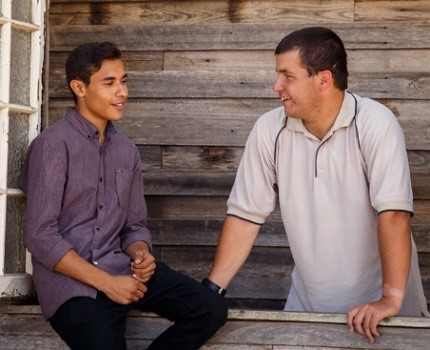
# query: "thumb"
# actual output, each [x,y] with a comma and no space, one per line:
[139,257]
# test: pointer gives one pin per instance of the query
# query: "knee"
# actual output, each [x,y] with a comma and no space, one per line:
[217,310]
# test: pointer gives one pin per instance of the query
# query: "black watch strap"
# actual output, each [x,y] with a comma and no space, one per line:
[216,288]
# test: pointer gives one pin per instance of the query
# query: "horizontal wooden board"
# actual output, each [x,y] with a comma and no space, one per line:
[214,207]
[243,36]
[189,183]
[227,122]
[241,84]
[359,61]
[135,61]
[200,233]
[201,12]
[222,160]
[214,182]
[399,10]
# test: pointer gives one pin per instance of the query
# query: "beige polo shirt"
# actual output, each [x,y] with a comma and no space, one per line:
[330,194]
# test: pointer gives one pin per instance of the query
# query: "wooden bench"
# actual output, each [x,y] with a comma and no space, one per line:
[24,328]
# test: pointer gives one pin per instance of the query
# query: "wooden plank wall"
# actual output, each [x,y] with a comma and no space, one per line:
[200,75]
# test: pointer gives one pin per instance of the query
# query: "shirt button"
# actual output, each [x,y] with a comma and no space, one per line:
[97,228]
[100,206]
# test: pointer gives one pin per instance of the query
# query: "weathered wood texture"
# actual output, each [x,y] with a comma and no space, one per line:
[23,328]
[200,74]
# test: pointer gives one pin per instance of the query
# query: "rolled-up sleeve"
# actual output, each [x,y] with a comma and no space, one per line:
[42,180]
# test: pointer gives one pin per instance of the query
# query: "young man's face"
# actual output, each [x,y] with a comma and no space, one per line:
[104,98]
[297,90]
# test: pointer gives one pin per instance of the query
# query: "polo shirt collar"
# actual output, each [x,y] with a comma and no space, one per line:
[344,118]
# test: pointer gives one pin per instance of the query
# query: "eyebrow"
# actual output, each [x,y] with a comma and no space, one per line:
[284,71]
[113,78]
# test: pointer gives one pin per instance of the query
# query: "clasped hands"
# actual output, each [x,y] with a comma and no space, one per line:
[127,289]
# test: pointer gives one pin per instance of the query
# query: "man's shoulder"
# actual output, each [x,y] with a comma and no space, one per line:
[370,108]
[272,120]
[54,133]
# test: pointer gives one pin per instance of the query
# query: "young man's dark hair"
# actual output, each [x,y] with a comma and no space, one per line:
[87,223]
[86,59]
[320,49]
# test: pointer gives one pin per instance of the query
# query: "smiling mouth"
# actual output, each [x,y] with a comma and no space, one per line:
[285,99]
[119,104]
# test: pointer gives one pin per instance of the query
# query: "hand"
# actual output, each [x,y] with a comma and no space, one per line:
[124,289]
[143,266]
[365,318]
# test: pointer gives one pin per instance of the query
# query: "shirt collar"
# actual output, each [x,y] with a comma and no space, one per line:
[85,127]
[344,118]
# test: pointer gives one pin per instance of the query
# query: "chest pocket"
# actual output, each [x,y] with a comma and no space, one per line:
[123,178]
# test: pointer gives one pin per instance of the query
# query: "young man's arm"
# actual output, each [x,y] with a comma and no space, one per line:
[235,243]
[121,289]
[395,250]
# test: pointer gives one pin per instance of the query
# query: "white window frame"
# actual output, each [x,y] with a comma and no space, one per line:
[18,285]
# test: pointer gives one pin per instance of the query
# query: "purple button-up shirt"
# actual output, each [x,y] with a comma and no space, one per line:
[83,196]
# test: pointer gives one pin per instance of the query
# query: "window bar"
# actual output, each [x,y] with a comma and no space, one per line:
[5,43]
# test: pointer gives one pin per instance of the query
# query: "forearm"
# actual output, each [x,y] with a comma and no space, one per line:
[74,266]
[395,250]
[235,243]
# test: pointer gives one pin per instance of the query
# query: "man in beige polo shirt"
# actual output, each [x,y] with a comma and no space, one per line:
[338,164]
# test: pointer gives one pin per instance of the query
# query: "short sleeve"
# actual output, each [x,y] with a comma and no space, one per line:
[252,197]
[384,150]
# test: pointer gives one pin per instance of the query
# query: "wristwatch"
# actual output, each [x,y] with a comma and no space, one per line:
[216,288]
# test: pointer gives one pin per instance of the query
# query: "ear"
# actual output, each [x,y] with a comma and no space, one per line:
[78,87]
[326,79]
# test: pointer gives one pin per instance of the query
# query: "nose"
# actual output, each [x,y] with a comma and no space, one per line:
[122,90]
[277,85]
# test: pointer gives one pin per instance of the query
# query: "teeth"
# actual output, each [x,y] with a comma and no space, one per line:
[285,98]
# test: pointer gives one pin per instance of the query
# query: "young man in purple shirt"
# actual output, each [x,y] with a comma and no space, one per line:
[86,223]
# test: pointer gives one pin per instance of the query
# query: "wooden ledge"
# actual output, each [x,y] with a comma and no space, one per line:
[257,315]
[24,327]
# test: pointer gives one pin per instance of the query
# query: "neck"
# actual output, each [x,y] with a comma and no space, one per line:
[326,114]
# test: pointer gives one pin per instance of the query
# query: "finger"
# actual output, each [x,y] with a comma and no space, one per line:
[374,325]
[140,278]
[143,272]
[350,318]
[140,294]
[359,318]
[139,257]
[148,262]
[366,326]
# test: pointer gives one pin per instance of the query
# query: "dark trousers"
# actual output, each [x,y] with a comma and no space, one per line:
[93,324]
